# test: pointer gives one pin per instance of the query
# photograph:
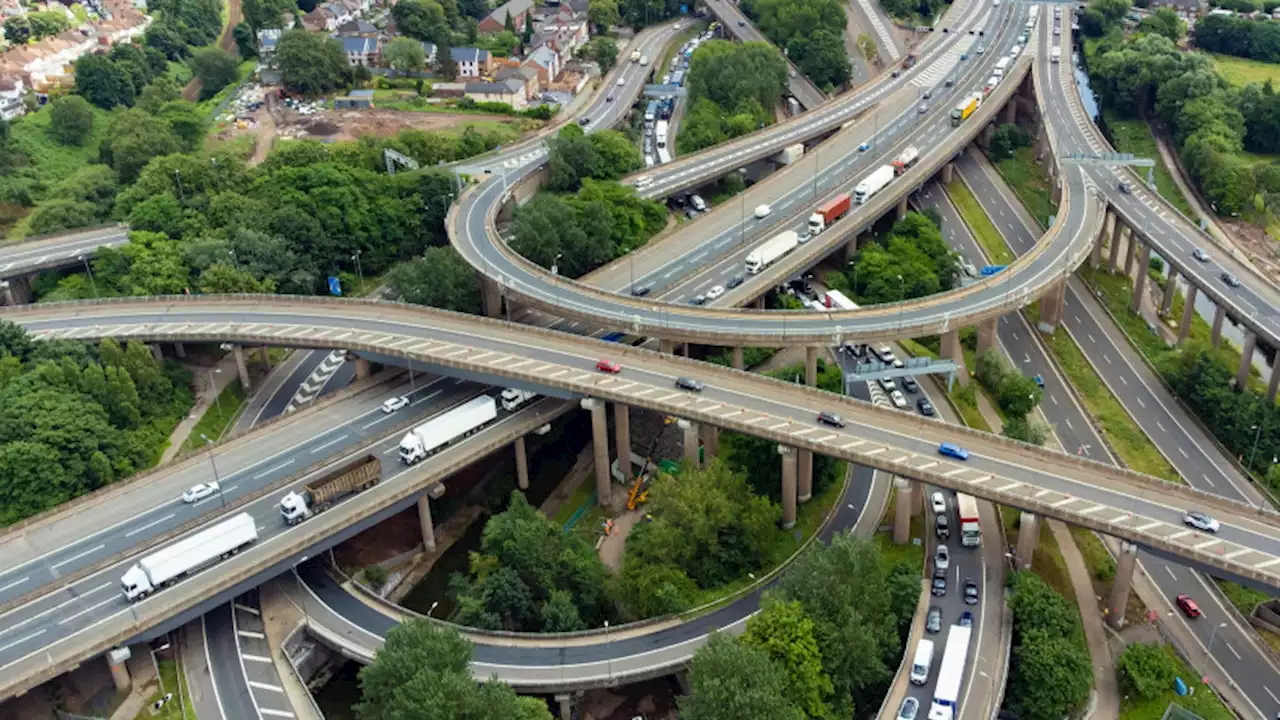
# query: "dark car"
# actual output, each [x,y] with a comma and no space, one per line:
[1125,187]
[830,418]
[966,619]
[1230,279]
[689,384]
[925,407]
[941,527]
[933,623]
[970,591]
[641,291]
[698,300]
[584,121]
[939,586]
[910,385]
[608,98]
[734,282]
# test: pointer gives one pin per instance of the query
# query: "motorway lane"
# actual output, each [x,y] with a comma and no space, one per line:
[569,364]
[17,259]
[156,507]
[97,598]
[231,686]
[1159,416]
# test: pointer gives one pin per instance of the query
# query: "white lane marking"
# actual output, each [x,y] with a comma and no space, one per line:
[89,609]
[1170,571]
[265,686]
[21,640]
[329,444]
[265,473]
[277,713]
[1233,650]
[73,558]
[251,634]
[14,584]
[151,524]
[1273,695]
[255,658]
[368,425]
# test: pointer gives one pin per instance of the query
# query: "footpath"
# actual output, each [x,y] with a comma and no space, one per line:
[209,382]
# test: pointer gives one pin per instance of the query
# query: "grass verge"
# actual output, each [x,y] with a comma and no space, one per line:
[220,415]
[1203,703]
[909,553]
[1134,136]
[1242,71]
[1030,182]
[980,225]
[1047,561]
[177,708]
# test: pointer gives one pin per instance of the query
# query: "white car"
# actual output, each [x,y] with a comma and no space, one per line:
[1200,255]
[763,211]
[888,385]
[394,404]
[899,401]
[715,292]
[698,203]
[622,81]
[1200,521]
[941,559]
[886,355]
[938,502]
[196,493]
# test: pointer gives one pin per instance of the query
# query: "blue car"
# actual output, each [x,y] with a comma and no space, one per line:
[1039,380]
[953,450]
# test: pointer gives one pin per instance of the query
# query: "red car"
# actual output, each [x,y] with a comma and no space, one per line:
[608,366]
[1188,606]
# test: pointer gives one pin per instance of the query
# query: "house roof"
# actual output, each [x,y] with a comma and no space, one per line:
[510,86]
[469,54]
[359,45]
[514,7]
[544,56]
[361,94]
[357,27]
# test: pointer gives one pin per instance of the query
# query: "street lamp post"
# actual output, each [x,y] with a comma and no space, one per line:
[155,664]
[1212,636]
[89,270]
[1257,435]
[902,296]
[359,270]
[433,607]
[608,651]
[214,464]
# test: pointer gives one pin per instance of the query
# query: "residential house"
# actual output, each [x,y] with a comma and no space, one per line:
[429,53]
[268,39]
[360,50]
[472,62]
[357,28]
[1193,8]
[496,21]
[545,62]
[327,17]
[526,75]
[510,91]
[11,106]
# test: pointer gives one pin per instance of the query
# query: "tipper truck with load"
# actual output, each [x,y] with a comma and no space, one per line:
[965,108]
[770,250]
[873,183]
[435,434]
[166,565]
[903,162]
[320,494]
[828,212]
[790,154]
[970,529]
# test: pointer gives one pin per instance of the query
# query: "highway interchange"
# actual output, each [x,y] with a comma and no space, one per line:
[1102,177]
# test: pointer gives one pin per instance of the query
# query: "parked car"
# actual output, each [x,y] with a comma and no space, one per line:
[887,385]
[1188,606]
[608,366]
[394,404]
[200,491]
[910,385]
[698,203]
[1200,521]
[941,527]
[953,450]
[939,587]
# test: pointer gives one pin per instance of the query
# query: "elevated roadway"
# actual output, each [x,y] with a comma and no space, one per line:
[57,251]
[737,23]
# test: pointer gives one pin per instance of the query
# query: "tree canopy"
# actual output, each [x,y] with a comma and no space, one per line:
[733,89]
[311,64]
[730,679]
[812,31]
[1050,673]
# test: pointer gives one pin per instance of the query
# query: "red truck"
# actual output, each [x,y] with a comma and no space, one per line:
[828,212]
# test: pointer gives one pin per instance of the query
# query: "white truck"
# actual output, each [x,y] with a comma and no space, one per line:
[1001,65]
[790,154]
[635,56]
[167,565]
[873,183]
[770,250]
[513,398]
[660,134]
[1055,55]
[946,691]
[435,434]
[970,524]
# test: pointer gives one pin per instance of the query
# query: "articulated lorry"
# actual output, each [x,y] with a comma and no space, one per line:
[970,529]
[965,108]
[946,691]
[873,183]
[903,162]
[770,250]
[437,433]
[322,493]
[167,565]
[828,212]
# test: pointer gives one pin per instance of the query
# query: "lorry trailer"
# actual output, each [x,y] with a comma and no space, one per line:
[169,564]
[827,213]
[873,183]
[970,528]
[323,492]
[437,433]
[946,691]
[965,108]
[770,250]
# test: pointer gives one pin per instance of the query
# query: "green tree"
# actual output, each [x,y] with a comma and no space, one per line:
[603,14]
[423,673]
[47,23]
[822,57]
[1164,21]
[58,214]
[133,139]
[17,30]
[312,64]
[261,14]
[103,82]
[405,55]
[729,679]
[165,35]
[246,43]
[786,634]
[186,121]
[223,278]
[1049,676]
[216,69]
[440,278]
[1006,140]
[71,120]
[160,91]
[423,20]
[605,52]
[1146,670]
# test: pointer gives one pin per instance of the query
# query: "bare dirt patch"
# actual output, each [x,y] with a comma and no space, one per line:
[1261,248]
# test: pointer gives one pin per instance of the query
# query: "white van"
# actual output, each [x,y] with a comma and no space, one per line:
[922,663]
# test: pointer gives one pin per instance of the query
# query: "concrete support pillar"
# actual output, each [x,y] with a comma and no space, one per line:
[667,347]
[1120,585]
[1274,384]
[428,527]
[1051,305]
[850,250]
[490,297]
[1011,111]
[1246,360]
[690,441]
[684,349]
[811,366]
[954,351]
[760,303]
[948,173]
[15,291]
[987,133]
[1215,333]
[902,207]
[1028,537]
[117,660]
[788,454]
[179,350]
[566,706]
[157,352]
[1095,259]
[1188,312]
[362,368]
[987,334]
[710,442]
[1117,228]
[522,464]
[903,510]
[1131,250]
[600,444]
[1170,286]
[241,368]
[1140,284]
[622,437]
[804,467]
[737,359]
[265,356]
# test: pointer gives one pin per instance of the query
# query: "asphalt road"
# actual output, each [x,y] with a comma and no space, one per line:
[24,258]
[1156,412]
